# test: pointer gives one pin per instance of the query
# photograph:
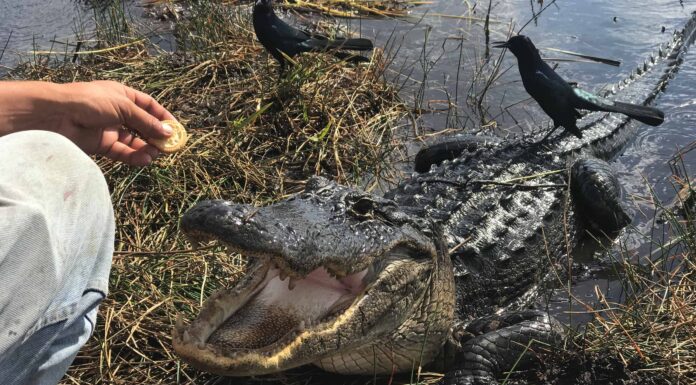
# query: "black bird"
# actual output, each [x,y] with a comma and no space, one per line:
[561,100]
[278,37]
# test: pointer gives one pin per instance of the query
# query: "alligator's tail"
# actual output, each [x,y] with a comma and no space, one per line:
[605,135]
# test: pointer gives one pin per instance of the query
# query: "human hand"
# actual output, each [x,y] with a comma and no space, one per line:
[96,113]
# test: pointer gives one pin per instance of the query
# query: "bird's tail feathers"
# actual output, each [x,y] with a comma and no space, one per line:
[648,115]
[350,57]
[351,44]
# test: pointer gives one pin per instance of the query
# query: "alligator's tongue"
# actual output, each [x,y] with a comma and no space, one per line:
[276,310]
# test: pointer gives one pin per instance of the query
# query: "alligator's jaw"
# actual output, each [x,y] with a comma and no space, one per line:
[264,326]
[312,304]
[274,312]
[259,322]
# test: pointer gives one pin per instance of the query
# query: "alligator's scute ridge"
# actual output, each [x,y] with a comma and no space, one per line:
[357,283]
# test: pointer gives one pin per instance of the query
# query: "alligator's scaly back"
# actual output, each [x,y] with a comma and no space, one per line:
[606,134]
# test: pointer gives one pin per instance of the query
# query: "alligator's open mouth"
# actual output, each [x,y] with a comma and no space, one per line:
[275,318]
[272,306]
[276,308]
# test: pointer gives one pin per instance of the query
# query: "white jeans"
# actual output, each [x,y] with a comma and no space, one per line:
[56,244]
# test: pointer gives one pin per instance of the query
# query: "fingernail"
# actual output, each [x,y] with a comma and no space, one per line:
[166,129]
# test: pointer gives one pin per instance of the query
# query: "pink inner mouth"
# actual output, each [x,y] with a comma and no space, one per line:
[276,310]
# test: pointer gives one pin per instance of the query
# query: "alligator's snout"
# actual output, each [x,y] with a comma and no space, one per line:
[208,218]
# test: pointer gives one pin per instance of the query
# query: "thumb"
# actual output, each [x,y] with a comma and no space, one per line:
[141,121]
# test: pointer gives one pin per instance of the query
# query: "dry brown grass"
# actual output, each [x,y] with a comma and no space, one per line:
[649,337]
[654,331]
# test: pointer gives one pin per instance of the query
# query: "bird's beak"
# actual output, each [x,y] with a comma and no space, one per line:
[500,44]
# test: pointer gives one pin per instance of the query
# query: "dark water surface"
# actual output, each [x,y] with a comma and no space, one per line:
[35,23]
[442,47]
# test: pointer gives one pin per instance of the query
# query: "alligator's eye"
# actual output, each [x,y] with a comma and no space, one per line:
[362,207]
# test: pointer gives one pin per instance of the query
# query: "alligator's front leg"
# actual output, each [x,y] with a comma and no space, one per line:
[494,345]
[597,195]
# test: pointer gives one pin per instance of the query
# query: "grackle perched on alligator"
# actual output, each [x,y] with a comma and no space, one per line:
[360,284]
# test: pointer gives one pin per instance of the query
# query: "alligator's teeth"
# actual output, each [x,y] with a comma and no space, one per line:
[283,275]
[186,337]
[301,326]
[292,283]
[179,322]
[201,346]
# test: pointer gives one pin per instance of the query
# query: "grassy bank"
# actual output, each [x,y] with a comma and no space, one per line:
[650,338]
[338,8]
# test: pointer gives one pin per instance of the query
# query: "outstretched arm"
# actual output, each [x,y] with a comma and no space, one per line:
[91,114]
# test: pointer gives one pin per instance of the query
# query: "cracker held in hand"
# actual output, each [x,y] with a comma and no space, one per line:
[175,142]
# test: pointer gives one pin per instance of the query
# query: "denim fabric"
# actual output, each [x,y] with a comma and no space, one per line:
[56,243]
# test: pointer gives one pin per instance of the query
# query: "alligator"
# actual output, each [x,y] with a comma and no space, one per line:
[439,271]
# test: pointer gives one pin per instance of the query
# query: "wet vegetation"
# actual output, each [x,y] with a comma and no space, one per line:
[255,139]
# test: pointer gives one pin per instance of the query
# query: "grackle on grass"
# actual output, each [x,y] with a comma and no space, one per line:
[278,37]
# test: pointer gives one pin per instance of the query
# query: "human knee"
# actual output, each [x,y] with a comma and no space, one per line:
[50,148]
[49,173]
[44,160]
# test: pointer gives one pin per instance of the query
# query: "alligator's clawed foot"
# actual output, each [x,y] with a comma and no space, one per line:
[597,193]
[501,343]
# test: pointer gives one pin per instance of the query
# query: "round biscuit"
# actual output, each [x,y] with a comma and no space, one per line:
[173,143]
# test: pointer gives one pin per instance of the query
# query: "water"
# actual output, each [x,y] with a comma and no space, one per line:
[438,55]
[25,25]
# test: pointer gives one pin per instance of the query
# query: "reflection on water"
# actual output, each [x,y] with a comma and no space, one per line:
[440,49]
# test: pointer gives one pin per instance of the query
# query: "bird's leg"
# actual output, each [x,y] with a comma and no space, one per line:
[535,145]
